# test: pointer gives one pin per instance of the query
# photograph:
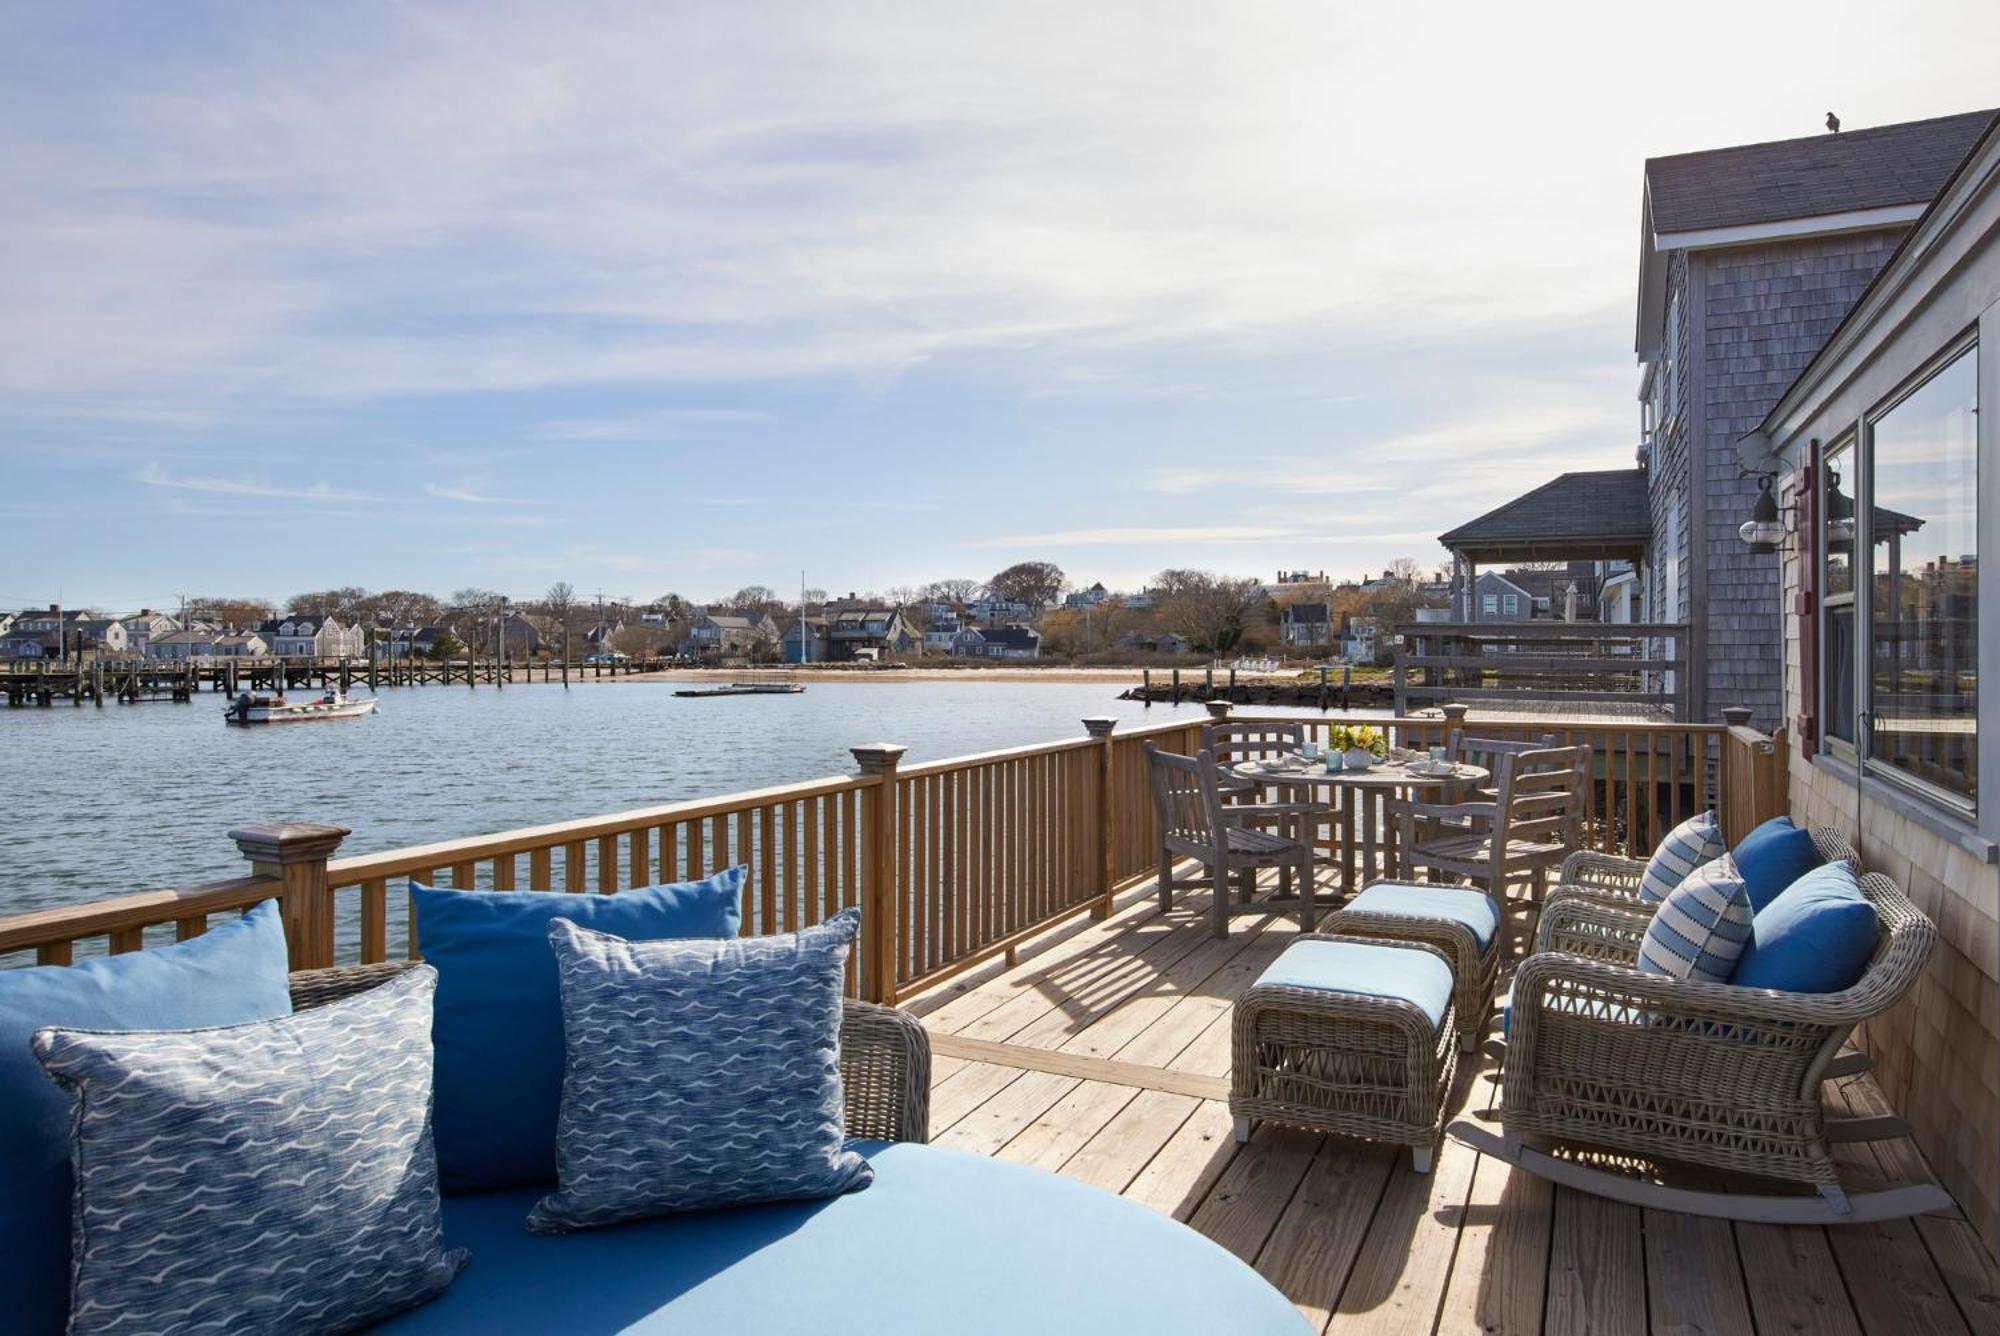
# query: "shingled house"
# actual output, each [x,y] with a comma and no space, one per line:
[1749,257]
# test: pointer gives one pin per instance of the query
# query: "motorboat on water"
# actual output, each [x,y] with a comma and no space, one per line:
[258,707]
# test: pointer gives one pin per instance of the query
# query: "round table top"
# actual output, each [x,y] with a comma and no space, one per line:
[1383,774]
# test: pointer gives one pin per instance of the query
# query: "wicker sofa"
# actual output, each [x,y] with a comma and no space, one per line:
[941,1240]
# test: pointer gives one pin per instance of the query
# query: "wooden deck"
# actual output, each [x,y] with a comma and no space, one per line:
[1105,1056]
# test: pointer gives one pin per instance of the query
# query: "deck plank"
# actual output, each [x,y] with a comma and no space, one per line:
[1312,1251]
[985,1129]
[1068,1125]
[965,1090]
[1249,1198]
[1597,1267]
[1499,1277]
[1122,1147]
[1399,1280]
[1175,1181]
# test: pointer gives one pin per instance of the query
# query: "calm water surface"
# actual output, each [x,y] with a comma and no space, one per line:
[139,797]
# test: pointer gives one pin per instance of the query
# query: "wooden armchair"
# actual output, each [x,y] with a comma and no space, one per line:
[1519,835]
[1234,741]
[1228,841]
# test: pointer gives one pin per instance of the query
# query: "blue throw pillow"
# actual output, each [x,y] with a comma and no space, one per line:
[234,973]
[700,1074]
[1699,930]
[1686,847]
[1772,857]
[275,1176]
[499,1032]
[1816,937]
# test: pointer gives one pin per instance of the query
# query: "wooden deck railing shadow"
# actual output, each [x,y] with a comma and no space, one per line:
[953,862]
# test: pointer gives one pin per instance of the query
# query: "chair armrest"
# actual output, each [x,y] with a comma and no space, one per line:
[1606,874]
[1583,925]
[1254,811]
[1489,811]
[885,1064]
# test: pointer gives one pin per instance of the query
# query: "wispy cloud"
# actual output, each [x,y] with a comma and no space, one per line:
[154,475]
[471,496]
[642,426]
[1166,536]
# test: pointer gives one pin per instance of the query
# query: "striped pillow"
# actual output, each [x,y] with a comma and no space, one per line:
[1693,842]
[1701,927]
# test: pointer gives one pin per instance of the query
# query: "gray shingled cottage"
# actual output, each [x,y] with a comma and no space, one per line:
[1749,257]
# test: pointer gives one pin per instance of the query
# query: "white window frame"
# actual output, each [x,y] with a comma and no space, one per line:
[1850,443]
[1489,605]
[1511,604]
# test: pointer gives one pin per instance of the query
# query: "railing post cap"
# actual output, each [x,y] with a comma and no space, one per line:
[875,757]
[1736,716]
[1100,725]
[289,841]
[1218,709]
[1456,712]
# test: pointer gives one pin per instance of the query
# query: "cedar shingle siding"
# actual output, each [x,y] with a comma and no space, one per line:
[1766,310]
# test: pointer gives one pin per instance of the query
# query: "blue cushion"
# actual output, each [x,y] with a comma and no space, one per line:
[1772,857]
[234,973]
[943,1242]
[1814,938]
[700,1074]
[1474,909]
[1699,930]
[271,1176]
[498,1029]
[1406,973]
[1686,847]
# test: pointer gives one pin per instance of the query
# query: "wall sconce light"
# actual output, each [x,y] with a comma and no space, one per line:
[1763,531]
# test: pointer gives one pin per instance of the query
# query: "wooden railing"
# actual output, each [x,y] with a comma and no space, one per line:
[953,862]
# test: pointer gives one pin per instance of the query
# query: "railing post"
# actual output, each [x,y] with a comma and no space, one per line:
[878,761]
[1100,727]
[1217,709]
[295,852]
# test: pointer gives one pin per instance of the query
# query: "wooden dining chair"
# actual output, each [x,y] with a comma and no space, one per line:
[1515,837]
[1233,741]
[1231,843]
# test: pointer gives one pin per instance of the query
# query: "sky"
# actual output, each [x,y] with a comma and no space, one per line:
[684,297]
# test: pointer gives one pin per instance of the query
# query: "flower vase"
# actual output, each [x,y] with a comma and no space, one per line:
[1359,758]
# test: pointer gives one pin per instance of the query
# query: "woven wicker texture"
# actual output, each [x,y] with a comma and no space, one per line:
[885,1057]
[1601,1054]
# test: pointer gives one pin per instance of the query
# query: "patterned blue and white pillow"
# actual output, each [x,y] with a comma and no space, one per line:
[272,1176]
[701,1072]
[1700,929]
[1694,842]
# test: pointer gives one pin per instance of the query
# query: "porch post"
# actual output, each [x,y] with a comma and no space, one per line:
[1100,727]
[878,761]
[296,852]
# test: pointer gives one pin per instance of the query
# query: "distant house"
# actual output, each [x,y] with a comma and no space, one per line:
[869,633]
[1358,641]
[997,642]
[805,641]
[1165,642]
[726,633]
[241,645]
[1306,625]
[206,645]
[310,637]
[1087,598]
[99,635]
[998,611]
[47,634]
[142,626]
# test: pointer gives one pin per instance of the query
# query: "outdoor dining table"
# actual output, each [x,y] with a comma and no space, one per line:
[1345,790]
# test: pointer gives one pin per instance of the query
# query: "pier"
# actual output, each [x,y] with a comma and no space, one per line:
[132,681]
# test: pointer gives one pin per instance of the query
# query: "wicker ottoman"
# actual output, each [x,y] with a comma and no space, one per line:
[1462,923]
[1349,1036]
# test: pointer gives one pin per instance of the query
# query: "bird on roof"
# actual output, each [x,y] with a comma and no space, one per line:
[1833,122]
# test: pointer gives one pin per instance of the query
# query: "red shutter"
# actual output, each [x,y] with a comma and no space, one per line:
[1805,600]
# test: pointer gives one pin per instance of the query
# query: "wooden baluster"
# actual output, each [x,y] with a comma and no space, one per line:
[574,871]
[812,811]
[539,870]
[607,864]
[916,884]
[670,853]
[798,909]
[1100,727]
[766,860]
[186,929]
[638,859]
[502,866]
[374,920]
[295,854]
[465,876]
[54,953]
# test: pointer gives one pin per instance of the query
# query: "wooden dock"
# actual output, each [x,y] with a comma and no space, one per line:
[132,681]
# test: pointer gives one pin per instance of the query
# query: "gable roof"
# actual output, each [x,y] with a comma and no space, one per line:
[1011,637]
[1881,167]
[1598,514]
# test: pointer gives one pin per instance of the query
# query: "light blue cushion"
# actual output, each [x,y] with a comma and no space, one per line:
[1686,847]
[235,972]
[1816,937]
[1698,932]
[1474,909]
[1405,973]
[943,1242]
[498,1031]
[699,1074]
[271,1176]
[1772,857]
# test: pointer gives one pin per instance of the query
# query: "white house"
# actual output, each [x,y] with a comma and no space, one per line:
[308,637]
[142,626]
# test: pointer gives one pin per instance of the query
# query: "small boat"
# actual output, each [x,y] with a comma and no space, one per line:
[746,689]
[264,708]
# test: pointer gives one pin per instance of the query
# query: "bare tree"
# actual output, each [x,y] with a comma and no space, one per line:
[1035,583]
[342,604]
[558,607]
[236,612]
[1211,610]
[952,591]
[1404,570]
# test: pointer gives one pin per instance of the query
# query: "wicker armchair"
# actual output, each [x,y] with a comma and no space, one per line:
[885,1057]
[1614,881]
[1603,1056]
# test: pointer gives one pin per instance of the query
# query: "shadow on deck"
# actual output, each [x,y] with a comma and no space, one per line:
[1104,1056]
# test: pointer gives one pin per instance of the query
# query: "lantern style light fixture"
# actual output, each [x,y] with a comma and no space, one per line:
[1764,531]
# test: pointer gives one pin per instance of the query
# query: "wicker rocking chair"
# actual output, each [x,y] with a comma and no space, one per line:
[1602,1057]
[1614,881]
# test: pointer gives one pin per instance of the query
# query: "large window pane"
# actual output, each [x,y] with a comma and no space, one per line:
[1922,569]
